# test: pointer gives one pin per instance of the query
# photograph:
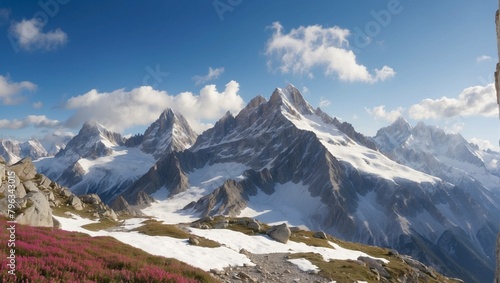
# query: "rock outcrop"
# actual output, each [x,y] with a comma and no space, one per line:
[280,233]
[36,195]
[35,210]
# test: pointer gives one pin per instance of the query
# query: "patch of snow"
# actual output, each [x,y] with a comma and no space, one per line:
[210,258]
[202,182]
[264,245]
[290,203]
[304,265]
[360,157]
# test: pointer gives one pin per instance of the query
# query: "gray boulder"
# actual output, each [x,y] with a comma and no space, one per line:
[38,211]
[254,225]
[29,186]
[44,182]
[91,199]
[280,233]
[320,235]
[19,191]
[65,192]
[75,202]
[25,169]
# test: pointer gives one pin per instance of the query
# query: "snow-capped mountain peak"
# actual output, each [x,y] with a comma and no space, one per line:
[291,98]
[92,141]
[170,132]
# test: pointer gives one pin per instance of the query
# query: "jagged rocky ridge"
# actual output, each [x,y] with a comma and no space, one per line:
[362,195]
[99,161]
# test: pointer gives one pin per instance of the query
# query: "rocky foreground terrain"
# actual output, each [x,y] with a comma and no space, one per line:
[37,197]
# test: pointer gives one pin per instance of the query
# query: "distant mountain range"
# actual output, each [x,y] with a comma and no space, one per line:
[419,190]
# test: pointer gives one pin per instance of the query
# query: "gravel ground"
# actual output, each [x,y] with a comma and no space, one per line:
[268,268]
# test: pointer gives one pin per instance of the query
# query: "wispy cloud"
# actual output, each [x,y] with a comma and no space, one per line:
[473,101]
[483,58]
[38,105]
[213,74]
[10,92]
[29,35]
[305,48]
[121,109]
[37,121]
[379,112]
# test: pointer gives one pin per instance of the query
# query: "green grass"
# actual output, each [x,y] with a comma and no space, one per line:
[339,270]
[307,238]
[103,224]
[153,227]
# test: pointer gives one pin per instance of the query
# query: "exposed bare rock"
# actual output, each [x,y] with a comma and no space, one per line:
[280,233]
[254,225]
[121,206]
[72,175]
[75,202]
[20,191]
[38,211]
[375,265]
[25,169]
[44,181]
[30,186]
[229,199]
[171,132]
[91,199]
[320,235]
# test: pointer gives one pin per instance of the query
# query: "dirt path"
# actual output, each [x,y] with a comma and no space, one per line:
[268,268]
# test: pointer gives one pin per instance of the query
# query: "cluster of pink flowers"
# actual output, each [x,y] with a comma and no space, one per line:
[51,255]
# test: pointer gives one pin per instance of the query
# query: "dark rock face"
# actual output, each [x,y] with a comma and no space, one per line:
[121,206]
[229,199]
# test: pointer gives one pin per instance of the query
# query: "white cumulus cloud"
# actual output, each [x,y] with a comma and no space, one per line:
[37,121]
[10,91]
[121,109]
[305,48]
[213,74]
[473,101]
[379,112]
[29,35]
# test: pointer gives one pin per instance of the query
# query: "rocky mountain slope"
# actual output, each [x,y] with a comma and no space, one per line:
[286,160]
[102,162]
[37,198]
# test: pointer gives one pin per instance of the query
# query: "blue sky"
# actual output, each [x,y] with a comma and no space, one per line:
[121,62]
